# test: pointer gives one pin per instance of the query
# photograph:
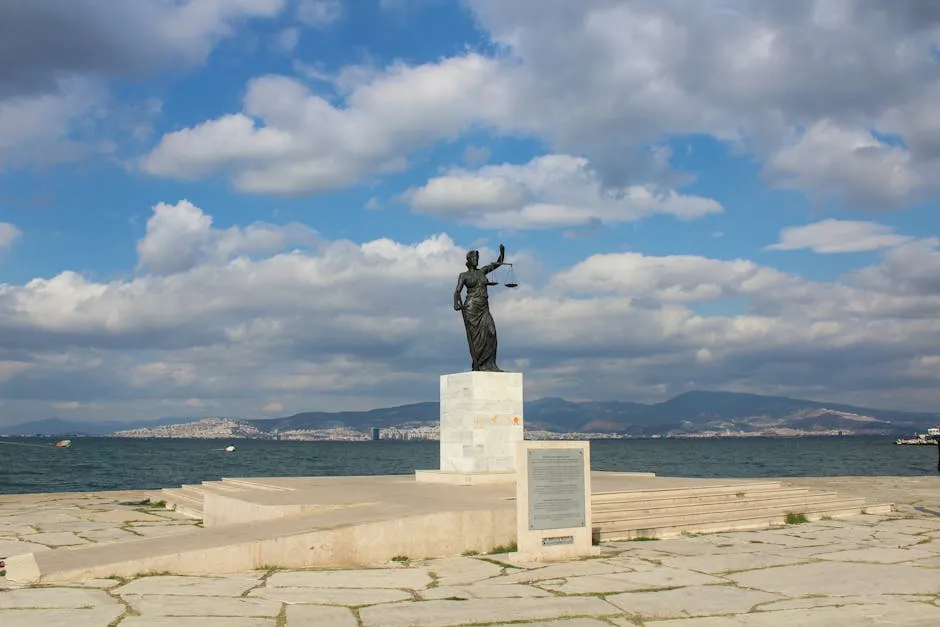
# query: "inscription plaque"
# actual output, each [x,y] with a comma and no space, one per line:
[557,540]
[556,488]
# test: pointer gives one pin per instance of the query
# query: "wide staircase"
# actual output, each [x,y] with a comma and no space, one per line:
[644,513]
[188,498]
[671,512]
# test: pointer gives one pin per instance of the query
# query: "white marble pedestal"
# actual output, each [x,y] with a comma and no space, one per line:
[481,426]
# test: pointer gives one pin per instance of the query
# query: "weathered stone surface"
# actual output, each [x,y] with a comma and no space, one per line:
[51,598]
[205,586]
[713,564]
[123,516]
[459,571]
[896,614]
[690,601]
[9,548]
[561,570]
[303,615]
[447,613]
[841,579]
[110,534]
[882,555]
[91,617]
[811,602]
[568,622]
[53,539]
[410,578]
[331,596]
[624,582]
[154,531]
[484,591]
[201,621]
[193,605]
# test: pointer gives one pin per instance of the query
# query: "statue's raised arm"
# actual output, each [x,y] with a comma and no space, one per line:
[499,261]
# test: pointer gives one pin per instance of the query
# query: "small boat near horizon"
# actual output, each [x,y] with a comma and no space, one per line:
[63,444]
[931,438]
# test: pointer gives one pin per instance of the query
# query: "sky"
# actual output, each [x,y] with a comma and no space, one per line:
[254,208]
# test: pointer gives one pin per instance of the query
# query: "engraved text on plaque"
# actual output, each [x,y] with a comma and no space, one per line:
[556,488]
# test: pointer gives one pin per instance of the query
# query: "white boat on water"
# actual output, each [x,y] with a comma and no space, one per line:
[930,438]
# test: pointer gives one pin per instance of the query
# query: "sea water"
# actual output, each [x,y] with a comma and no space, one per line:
[132,464]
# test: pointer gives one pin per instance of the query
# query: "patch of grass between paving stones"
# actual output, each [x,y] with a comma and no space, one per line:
[796,518]
[498,563]
[281,619]
[470,553]
[401,559]
[512,547]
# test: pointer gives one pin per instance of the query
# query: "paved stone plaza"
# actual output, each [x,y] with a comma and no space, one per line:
[865,570]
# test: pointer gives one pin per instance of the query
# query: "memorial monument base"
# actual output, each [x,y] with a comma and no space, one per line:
[464,478]
[553,501]
[481,421]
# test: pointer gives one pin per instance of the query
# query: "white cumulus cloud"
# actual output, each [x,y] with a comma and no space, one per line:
[549,191]
[839,236]
[247,327]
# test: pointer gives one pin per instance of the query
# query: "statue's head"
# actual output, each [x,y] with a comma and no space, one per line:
[473,259]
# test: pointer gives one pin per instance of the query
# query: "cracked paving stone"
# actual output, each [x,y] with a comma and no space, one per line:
[163,530]
[325,615]
[484,591]
[726,563]
[123,516]
[54,598]
[9,548]
[690,601]
[331,596]
[410,578]
[107,535]
[458,571]
[882,555]
[202,621]
[54,539]
[91,617]
[181,585]
[898,614]
[841,579]
[813,602]
[448,613]
[567,622]
[661,577]
[192,605]
[560,571]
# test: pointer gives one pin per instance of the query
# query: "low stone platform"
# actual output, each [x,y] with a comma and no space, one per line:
[866,570]
[299,522]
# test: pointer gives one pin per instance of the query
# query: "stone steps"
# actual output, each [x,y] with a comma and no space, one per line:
[788,502]
[678,500]
[684,492]
[665,513]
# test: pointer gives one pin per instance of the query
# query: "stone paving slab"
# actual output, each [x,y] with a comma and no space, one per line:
[91,617]
[864,570]
[352,597]
[449,613]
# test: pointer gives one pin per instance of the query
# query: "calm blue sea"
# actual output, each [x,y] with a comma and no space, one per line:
[123,464]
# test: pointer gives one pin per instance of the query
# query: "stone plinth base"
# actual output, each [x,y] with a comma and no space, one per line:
[481,422]
[464,478]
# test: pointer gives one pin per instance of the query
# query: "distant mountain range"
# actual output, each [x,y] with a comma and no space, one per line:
[58,426]
[691,413]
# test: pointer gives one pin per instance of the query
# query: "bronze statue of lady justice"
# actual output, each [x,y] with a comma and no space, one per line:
[481,330]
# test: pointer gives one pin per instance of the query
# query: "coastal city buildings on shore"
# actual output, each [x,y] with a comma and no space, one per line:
[222,428]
